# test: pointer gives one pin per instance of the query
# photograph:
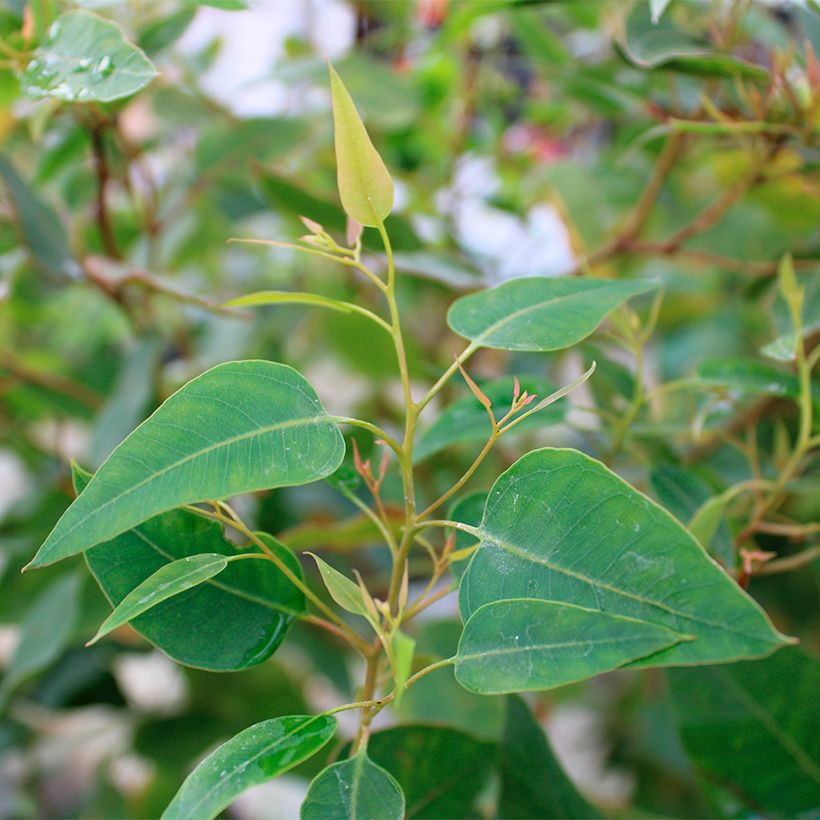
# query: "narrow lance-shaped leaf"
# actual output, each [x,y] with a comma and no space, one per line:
[530,645]
[538,313]
[354,789]
[560,526]
[239,427]
[401,657]
[170,580]
[85,58]
[254,756]
[365,186]
[345,592]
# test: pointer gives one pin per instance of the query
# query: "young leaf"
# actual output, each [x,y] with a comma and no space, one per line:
[402,649]
[532,645]
[354,789]
[44,632]
[538,313]
[85,58]
[170,580]
[533,784]
[345,592]
[239,427]
[754,727]
[365,186]
[232,622]
[254,756]
[560,526]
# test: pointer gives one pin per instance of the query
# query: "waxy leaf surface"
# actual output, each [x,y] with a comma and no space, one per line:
[365,186]
[231,622]
[354,789]
[85,58]
[560,526]
[239,427]
[538,313]
[254,756]
[531,645]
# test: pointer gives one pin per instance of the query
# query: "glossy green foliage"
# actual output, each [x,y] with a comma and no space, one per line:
[229,623]
[239,427]
[354,789]
[528,644]
[539,313]
[465,421]
[533,784]
[754,728]
[254,756]
[542,537]
[365,186]
[86,58]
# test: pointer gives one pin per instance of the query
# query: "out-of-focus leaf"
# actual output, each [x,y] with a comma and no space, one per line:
[44,632]
[41,227]
[402,649]
[85,58]
[754,726]
[255,139]
[239,427]
[254,756]
[657,8]
[751,377]
[560,526]
[533,784]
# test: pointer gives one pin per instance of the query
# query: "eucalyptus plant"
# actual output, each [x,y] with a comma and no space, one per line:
[563,570]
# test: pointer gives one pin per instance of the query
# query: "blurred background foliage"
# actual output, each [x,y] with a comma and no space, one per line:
[525,138]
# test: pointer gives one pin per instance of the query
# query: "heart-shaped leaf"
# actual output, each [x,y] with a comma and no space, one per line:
[231,622]
[254,756]
[354,789]
[531,645]
[560,526]
[239,427]
[85,58]
[365,186]
[538,313]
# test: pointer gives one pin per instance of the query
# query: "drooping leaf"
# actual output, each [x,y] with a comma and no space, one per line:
[40,226]
[560,526]
[466,421]
[239,427]
[45,631]
[441,771]
[754,727]
[538,313]
[254,756]
[658,43]
[365,186]
[85,58]
[354,789]
[533,784]
[532,645]
[167,581]
[345,592]
[232,622]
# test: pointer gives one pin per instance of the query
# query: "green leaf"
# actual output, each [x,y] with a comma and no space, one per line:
[40,226]
[538,313]
[167,581]
[365,186]
[533,784]
[532,645]
[354,789]
[85,58]
[753,727]
[750,377]
[560,526]
[402,648]
[466,421]
[442,772]
[651,44]
[45,631]
[239,427]
[345,592]
[254,756]
[233,622]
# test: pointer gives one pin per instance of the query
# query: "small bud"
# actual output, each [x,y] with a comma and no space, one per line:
[313,227]
[353,231]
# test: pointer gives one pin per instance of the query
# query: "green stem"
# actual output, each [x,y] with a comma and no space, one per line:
[445,377]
